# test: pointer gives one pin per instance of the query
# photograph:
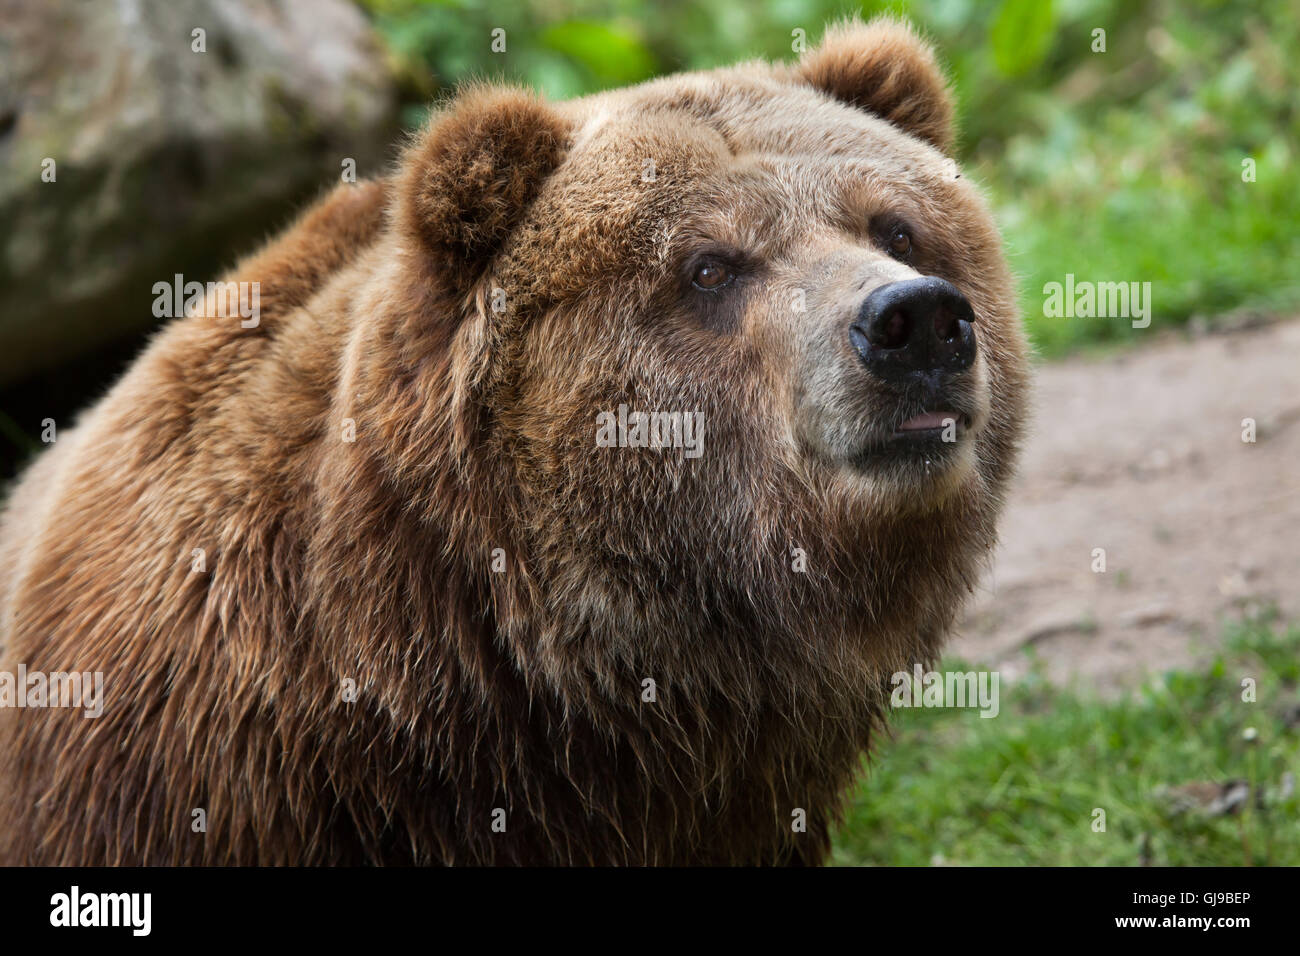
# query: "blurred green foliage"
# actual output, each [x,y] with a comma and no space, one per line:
[1122,165]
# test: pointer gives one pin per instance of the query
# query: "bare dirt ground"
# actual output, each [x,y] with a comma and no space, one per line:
[1141,454]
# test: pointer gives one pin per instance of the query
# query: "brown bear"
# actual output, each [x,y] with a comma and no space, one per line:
[571,500]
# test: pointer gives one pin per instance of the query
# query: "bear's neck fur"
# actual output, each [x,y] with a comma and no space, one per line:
[522,687]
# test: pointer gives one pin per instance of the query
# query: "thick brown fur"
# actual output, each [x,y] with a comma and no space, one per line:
[495,588]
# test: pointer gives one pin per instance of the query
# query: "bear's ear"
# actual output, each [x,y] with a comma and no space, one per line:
[885,68]
[471,174]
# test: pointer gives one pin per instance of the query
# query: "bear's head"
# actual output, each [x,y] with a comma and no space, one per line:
[733,376]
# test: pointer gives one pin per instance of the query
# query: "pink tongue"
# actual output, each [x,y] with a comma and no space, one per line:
[927,420]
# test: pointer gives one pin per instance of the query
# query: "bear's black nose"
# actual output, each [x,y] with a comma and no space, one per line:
[917,326]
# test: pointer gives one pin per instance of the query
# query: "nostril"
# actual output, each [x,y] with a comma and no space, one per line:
[946,326]
[893,330]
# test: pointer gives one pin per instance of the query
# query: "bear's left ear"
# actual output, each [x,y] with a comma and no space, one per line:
[885,68]
[471,175]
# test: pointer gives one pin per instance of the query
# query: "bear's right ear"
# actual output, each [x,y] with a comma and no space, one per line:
[473,172]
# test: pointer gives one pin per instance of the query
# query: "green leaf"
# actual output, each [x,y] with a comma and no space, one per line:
[613,55]
[1022,35]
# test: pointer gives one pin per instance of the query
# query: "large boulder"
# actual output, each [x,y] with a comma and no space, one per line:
[165,158]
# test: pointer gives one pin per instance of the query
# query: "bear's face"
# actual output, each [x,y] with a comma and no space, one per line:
[735,230]
[785,266]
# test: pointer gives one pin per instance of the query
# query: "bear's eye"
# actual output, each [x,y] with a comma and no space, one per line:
[710,276]
[900,243]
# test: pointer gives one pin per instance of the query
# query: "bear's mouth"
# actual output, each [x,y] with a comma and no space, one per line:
[932,424]
[931,437]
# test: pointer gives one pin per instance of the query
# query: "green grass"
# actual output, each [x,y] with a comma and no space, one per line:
[1153,192]
[1021,788]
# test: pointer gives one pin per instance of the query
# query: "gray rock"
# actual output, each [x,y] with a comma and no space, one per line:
[165,159]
